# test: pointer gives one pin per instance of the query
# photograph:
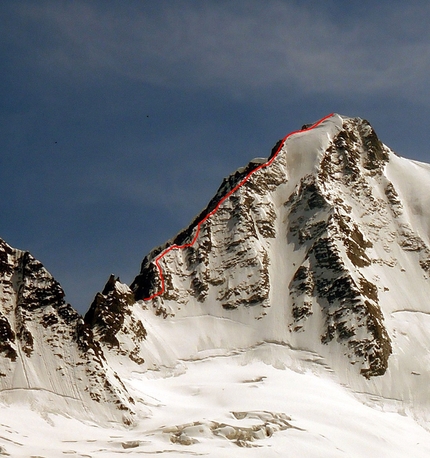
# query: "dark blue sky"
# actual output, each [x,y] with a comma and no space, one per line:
[118,120]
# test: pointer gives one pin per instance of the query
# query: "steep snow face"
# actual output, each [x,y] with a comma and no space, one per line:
[411,181]
[325,249]
[303,151]
[48,356]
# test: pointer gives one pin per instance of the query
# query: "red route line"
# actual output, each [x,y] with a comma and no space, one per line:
[232,191]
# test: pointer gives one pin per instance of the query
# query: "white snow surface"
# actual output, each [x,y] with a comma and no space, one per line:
[324,418]
[304,149]
[222,383]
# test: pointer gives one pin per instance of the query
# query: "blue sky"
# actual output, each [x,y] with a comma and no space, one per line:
[118,120]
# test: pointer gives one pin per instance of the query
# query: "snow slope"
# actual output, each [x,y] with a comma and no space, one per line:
[213,407]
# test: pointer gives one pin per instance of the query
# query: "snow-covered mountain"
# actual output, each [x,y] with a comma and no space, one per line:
[292,312]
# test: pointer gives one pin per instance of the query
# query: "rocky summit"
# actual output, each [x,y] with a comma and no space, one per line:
[310,267]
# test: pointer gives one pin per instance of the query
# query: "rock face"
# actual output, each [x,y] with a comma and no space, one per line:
[45,346]
[110,319]
[337,249]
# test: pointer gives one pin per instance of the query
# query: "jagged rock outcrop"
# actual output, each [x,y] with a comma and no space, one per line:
[110,319]
[45,346]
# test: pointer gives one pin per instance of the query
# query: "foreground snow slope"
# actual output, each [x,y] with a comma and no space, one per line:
[231,406]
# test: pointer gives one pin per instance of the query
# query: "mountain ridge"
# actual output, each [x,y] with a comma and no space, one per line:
[243,175]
